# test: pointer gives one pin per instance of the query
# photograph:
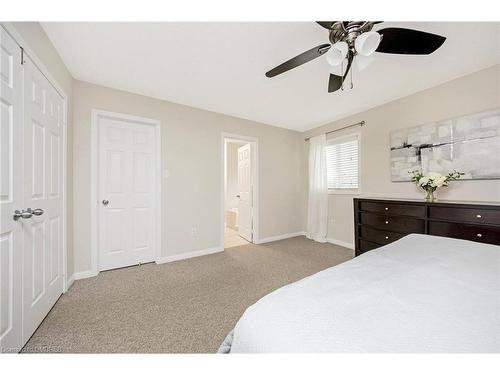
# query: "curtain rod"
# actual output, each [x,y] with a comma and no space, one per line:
[361,123]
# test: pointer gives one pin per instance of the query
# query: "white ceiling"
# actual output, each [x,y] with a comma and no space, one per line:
[220,66]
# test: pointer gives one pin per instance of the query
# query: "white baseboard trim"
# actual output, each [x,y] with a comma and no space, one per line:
[340,243]
[191,254]
[70,282]
[167,259]
[84,274]
[279,237]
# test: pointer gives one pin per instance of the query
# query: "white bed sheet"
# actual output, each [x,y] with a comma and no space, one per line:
[419,294]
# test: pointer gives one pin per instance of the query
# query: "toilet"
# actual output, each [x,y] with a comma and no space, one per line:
[232,218]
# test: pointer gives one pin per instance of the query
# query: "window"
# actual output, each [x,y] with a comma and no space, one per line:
[342,158]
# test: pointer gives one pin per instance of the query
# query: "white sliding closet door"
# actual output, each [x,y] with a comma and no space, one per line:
[11,194]
[43,140]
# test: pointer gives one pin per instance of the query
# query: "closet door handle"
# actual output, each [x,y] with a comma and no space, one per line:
[17,215]
[24,214]
[37,212]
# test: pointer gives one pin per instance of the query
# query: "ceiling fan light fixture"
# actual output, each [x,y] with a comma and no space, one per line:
[339,69]
[367,43]
[355,42]
[337,53]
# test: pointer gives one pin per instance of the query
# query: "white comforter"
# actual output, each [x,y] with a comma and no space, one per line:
[419,294]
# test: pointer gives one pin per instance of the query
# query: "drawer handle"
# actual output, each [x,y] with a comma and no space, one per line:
[478,216]
[387,221]
[479,235]
[386,208]
[386,237]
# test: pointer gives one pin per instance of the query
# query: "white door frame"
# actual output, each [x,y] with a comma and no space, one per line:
[94,182]
[254,142]
[11,30]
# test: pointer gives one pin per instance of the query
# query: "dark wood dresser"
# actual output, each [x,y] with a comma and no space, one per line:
[378,222]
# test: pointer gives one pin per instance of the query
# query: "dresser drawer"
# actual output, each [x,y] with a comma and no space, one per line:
[466,232]
[471,215]
[378,235]
[365,246]
[393,223]
[394,208]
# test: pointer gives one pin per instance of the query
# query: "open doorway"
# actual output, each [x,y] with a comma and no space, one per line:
[239,192]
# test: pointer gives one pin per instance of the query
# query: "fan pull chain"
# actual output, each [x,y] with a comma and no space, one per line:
[342,73]
[352,85]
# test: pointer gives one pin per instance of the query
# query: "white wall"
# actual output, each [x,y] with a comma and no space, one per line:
[473,93]
[192,153]
[40,44]
[232,175]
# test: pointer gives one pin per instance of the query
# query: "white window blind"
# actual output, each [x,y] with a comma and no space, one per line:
[342,162]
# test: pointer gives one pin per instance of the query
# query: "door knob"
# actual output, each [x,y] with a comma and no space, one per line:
[24,214]
[238,196]
[105,202]
[17,215]
[36,211]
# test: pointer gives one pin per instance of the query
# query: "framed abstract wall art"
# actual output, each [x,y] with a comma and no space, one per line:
[469,144]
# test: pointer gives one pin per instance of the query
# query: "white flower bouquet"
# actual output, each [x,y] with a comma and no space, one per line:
[432,181]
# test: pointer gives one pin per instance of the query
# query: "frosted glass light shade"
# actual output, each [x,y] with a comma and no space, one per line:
[367,43]
[337,53]
[338,70]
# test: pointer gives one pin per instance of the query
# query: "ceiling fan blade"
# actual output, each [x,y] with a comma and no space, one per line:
[335,81]
[326,24]
[298,60]
[408,41]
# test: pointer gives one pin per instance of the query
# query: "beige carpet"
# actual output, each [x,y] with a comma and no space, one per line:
[182,307]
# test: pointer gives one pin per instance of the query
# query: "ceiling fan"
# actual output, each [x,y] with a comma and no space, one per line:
[356,39]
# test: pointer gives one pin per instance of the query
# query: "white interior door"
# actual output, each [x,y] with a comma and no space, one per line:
[127,193]
[11,194]
[245,209]
[42,184]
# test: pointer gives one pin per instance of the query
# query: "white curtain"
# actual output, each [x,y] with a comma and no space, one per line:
[317,209]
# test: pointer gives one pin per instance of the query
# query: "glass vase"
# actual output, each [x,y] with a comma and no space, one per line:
[430,197]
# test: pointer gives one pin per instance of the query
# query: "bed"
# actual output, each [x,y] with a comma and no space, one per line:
[419,294]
